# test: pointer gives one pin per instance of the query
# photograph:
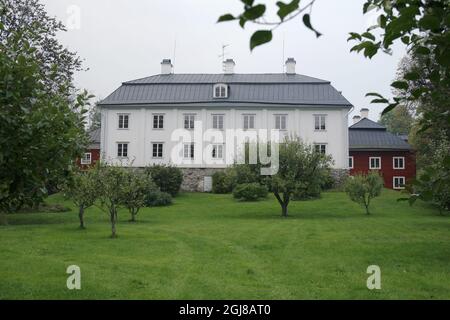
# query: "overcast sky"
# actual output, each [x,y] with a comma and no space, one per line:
[122,40]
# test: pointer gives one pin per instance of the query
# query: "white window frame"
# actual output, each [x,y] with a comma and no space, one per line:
[189,120]
[370,163]
[320,117]
[128,149]
[393,182]
[279,122]
[123,115]
[319,144]
[353,162]
[223,91]
[393,163]
[157,150]
[215,124]
[190,151]
[158,121]
[217,147]
[85,160]
[246,121]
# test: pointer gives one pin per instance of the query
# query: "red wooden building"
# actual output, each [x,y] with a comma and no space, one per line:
[371,147]
[92,154]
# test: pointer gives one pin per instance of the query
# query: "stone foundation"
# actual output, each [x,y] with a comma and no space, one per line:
[193,178]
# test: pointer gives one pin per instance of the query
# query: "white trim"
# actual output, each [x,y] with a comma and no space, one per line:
[320,149]
[220,96]
[370,163]
[153,120]
[117,149]
[217,146]
[393,182]
[84,160]
[162,149]
[285,121]
[353,162]
[325,122]
[189,115]
[393,163]
[218,122]
[118,121]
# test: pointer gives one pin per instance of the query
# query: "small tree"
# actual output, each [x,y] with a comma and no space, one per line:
[112,191]
[299,165]
[83,191]
[136,188]
[362,188]
[167,177]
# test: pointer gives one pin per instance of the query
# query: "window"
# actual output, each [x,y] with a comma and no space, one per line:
[220,91]
[280,121]
[123,121]
[398,182]
[374,163]
[320,122]
[218,121]
[249,121]
[189,120]
[158,121]
[217,151]
[122,150]
[320,147]
[157,150]
[188,150]
[399,162]
[350,162]
[86,159]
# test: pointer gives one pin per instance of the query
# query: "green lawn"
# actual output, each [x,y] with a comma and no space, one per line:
[209,246]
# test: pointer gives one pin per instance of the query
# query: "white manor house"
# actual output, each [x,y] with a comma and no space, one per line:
[191,120]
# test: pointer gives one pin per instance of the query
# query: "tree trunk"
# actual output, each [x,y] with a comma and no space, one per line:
[133,215]
[81,216]
[113,216]
[367,209]
[284,210]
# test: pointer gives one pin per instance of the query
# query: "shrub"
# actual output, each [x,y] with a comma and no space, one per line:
[363,188]
[222,182]
[158,198]
[167,178]
[136,187]
[249,191]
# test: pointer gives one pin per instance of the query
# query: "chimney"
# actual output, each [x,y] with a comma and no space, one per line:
[228,66]
[356,119]
[166,66]
[364,113]
[290,66]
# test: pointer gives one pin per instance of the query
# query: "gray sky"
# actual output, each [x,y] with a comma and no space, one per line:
[123,40]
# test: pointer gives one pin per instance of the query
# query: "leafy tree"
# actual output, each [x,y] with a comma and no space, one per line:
[398,121]
[362,188]
[168,178]
[83,191]
[42,118]
[112,191]
[250,191]
[136,188]
[299,165]
[95,117]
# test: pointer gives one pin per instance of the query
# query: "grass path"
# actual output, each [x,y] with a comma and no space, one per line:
[209,246]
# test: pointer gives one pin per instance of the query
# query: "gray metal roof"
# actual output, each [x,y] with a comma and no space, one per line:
[369,135]
[365,123]
[279,89]
[94,136]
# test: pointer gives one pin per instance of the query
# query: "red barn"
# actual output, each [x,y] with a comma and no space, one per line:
[372,147]
[92,154]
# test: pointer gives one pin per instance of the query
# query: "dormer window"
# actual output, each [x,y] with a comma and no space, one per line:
[220,90]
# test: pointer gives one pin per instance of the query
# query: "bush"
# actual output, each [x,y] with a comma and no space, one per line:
[363,188]
[249,191]
[166,177]
[158,199]
[222,182]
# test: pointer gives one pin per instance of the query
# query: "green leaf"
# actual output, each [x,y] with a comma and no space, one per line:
[248,2]
[422,50]
[307,23]
[405,40]
[260,37]
[430,22]
[368,35]
[354,36]
[374,94]
[380,100]
[226,17]
[413,75]
[400,85]
[287,8]
[389,108]
[254,12]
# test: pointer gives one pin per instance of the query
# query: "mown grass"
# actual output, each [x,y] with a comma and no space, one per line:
[209,246]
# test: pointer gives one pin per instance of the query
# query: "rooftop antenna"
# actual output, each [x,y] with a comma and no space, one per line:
[222,56]
[174,52]
[282,62]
